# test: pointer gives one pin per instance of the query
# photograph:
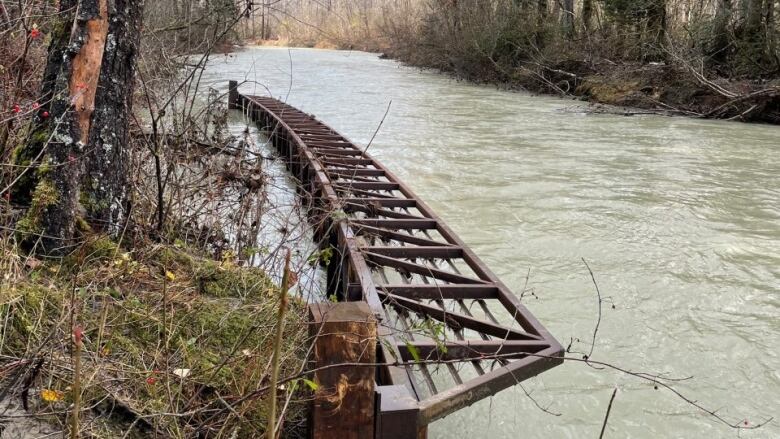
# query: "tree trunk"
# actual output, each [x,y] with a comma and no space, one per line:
[656,28]
[771,29]
[106,171]
[719,42]
[86,89]
[753,37]
[567,19]
[541,11]
[587,14]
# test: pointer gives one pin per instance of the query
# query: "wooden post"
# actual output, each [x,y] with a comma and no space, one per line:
[344,402]
[233,95]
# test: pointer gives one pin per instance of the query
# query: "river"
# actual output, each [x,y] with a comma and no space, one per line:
[678,218]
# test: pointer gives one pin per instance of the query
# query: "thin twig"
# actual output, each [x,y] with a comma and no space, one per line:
[606,417]
[271,433]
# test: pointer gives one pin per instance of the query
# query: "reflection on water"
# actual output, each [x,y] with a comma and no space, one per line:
[678,218]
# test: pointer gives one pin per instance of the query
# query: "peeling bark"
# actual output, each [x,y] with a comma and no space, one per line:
[86,69]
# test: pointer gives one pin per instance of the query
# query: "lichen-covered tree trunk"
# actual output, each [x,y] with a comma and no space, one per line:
[86,94]
[105,194]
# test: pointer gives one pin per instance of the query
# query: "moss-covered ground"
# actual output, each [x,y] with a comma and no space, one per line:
[172,341]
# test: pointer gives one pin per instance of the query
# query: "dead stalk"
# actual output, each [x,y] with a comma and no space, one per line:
[606,417]
[74,417]
[278,347]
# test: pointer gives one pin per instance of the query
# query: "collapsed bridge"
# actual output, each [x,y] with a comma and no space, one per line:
[449,332]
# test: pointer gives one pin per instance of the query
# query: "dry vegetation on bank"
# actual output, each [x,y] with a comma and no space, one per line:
[157,317]
[169,342]
[711,59]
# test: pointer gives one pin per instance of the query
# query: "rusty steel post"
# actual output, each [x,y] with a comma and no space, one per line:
[397,414]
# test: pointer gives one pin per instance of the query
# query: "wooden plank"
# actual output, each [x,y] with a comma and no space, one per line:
[344,401]
[357,172]
[359,192]
[327,152]
[348,161]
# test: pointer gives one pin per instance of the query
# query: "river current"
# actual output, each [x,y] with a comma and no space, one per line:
[678,218]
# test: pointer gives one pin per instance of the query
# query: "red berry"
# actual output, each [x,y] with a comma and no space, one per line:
[151,380]
[35,105]
[78,334]
[17,109]
[45,114]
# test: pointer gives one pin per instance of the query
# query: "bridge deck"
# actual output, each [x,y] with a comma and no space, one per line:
[438,305]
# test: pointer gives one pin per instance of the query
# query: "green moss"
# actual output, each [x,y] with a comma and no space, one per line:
[223,342]
[41,136]
[32,300]
[89,200]
[25,154]
[100,249]
[16,155]
[217,279]
[44,196]
[44,169]
[82,225]
[60,29]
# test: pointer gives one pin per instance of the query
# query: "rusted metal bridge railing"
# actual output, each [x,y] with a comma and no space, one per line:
[449,332]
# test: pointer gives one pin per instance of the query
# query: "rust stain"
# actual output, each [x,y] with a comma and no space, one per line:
[86,69]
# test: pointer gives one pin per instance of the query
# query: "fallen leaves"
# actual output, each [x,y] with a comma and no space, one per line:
[49,395]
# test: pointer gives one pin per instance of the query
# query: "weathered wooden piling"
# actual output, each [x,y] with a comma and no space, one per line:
[233,97]
[344,401]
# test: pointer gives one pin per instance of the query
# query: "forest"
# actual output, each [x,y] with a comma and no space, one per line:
[715,59]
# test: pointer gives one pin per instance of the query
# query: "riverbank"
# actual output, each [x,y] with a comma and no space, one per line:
[660,87]
[625,87]
[162,328]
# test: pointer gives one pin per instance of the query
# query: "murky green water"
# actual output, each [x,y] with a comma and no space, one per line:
[678,218]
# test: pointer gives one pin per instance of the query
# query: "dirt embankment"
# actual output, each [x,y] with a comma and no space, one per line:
[652,87]
[657,87]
